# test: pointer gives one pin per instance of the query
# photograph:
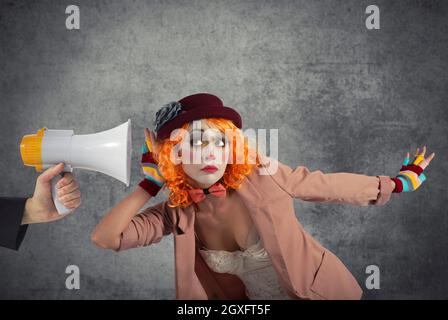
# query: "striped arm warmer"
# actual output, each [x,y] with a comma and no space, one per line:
[410,176]
[153,180]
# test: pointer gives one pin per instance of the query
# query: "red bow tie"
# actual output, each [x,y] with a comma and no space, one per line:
[197,195]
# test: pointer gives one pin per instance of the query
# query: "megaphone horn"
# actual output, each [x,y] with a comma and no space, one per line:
[108,152]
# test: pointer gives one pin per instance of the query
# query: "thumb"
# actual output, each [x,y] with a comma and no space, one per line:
[52,172]
[153,140]
[148,140]
[147,134]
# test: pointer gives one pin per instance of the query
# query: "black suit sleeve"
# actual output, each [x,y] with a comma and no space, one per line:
[11,230]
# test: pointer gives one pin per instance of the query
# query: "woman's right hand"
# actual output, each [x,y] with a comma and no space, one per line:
[153,180]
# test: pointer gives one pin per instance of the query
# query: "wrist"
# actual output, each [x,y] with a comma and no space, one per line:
[398,185]
[393,184]
[150,187]
[28,212]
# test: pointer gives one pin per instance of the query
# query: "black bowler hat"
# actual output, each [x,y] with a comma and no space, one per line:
[193,107]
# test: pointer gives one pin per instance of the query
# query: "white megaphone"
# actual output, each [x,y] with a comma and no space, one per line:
[108,152]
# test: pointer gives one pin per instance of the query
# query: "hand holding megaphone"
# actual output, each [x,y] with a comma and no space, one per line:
[108,152]
[40,207]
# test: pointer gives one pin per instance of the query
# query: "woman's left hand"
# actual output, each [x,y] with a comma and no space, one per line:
[411,175]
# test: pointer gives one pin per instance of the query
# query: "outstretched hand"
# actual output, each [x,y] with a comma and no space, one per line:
[411,175]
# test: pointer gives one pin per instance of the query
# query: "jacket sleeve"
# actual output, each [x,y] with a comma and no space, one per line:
[147,227]
[340,187]
[12,231]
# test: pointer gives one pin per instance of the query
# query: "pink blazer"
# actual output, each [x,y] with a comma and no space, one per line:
[305,269]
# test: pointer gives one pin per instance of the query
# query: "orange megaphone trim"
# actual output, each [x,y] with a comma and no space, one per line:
[31,149]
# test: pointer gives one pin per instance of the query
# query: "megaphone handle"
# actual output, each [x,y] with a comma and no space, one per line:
[59,206]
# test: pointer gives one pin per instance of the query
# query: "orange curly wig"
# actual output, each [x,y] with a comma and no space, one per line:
[236,170]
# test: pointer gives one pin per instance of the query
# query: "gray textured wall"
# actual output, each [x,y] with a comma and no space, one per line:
[345,99]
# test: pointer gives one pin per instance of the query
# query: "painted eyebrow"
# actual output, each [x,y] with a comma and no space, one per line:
[202,131]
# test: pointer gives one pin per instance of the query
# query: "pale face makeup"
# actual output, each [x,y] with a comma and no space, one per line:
[205,158]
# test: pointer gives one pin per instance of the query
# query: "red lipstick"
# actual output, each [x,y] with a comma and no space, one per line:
[210,169]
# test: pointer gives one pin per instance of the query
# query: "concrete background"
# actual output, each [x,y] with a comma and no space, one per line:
[344,98]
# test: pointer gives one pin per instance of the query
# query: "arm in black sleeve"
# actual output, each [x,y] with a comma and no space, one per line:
[11,230]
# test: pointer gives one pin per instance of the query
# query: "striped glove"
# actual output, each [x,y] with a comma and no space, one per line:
[153,180]
[411,176]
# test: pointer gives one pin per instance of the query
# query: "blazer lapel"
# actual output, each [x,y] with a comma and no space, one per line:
[261,218]
[185,219]
[258,207]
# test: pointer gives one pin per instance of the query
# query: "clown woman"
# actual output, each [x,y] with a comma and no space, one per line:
[231,209]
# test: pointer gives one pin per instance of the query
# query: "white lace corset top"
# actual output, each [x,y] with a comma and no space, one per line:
[253,266]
